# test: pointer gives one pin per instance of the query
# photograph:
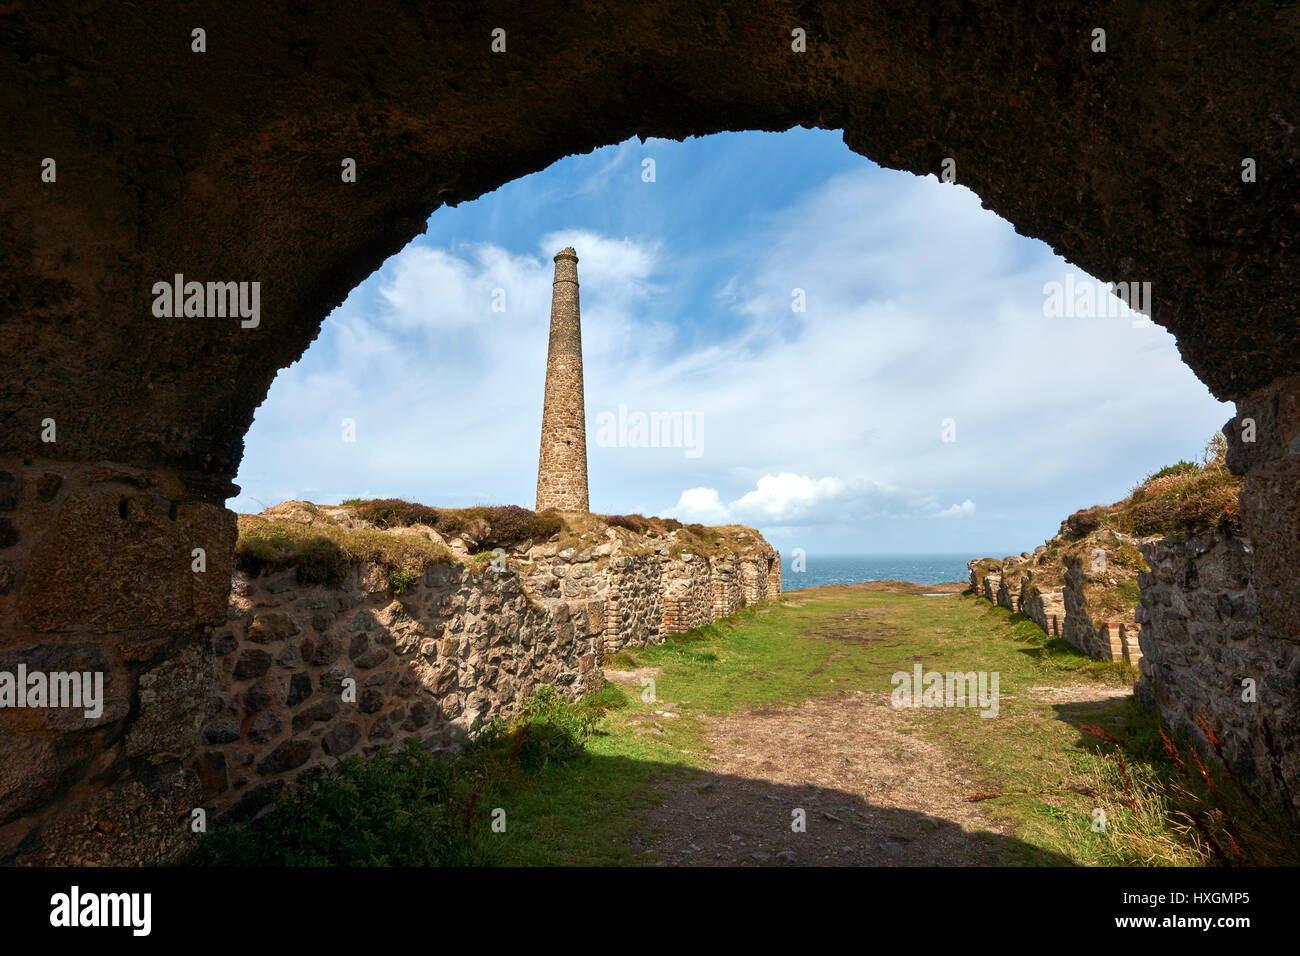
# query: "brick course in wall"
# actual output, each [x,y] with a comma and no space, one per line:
[1045,607]
[688,593]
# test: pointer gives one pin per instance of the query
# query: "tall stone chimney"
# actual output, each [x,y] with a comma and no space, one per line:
[562,466]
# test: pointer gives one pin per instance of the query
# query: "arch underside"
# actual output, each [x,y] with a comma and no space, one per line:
[225,165]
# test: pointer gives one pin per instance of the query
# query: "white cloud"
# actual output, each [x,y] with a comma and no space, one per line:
[921,306]
[700,505]
[799,501]
[963,510]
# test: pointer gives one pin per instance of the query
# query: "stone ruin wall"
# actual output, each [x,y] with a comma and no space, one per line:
[1202,641]
[464,644]
[689,593]
[1195,636]
[761,577]
[1117,638]
[728,591]
[635,608]
[1045,606]
[1059,611]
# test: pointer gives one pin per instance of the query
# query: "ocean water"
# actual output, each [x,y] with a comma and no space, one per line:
[850,569]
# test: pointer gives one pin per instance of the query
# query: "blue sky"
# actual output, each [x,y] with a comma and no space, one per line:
[923,320]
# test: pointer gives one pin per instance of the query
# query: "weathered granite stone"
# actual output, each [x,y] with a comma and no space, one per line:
[173,704]
[287,756]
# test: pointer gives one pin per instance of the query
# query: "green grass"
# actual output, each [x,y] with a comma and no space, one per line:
[587,804]
[1182,499]
[325,553]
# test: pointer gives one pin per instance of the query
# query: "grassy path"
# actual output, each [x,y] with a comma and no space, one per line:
[776,738]
[787,707]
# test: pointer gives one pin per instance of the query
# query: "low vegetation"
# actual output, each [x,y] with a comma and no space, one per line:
[324,553]
[409,807]
[488,526]
[1186,498]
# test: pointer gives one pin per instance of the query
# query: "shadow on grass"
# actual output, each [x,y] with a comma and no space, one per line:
[595,810]
[712,819]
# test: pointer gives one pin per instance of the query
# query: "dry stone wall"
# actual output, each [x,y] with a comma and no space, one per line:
[463,645]
[635,612]
[728,592]
[1044,606]
[1207,655]
[688,593]
[761,577]
[1113,639]
[647,585]
[467,643]
[1067,598]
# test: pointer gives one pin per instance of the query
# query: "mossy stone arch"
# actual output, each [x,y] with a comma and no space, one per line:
[227,165]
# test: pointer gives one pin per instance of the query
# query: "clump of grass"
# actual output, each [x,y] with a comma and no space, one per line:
[325,554]
[1185,498]
[1193,500]
[1084,522]
[409,807]
[1178,468]
[1129,593]
[1179,808]
[610,697]
[1055,655]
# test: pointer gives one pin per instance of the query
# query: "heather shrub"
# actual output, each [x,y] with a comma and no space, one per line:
[488,526]
[396,513]
[634,523]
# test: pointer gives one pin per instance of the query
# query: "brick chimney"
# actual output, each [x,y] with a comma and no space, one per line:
[562,464]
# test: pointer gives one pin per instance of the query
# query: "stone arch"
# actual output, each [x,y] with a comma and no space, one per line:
[226,166]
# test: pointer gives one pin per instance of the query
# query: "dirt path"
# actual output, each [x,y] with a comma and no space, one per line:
[873,792]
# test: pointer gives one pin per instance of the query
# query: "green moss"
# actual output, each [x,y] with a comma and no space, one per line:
[1180,468]
[401,580]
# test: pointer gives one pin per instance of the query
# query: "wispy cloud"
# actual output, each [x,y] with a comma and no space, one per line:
[923,322]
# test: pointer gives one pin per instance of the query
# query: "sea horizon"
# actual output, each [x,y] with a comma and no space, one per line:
[920,567]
